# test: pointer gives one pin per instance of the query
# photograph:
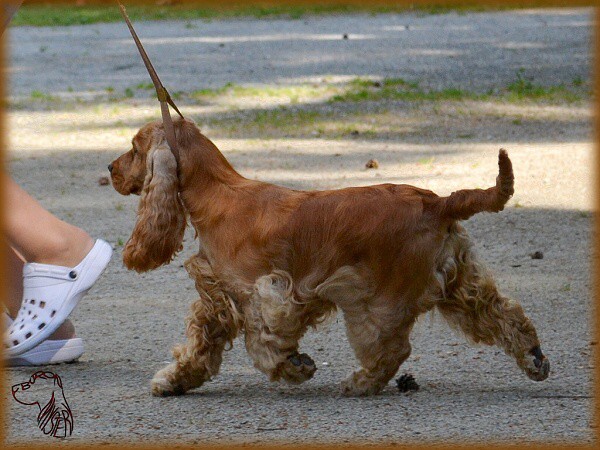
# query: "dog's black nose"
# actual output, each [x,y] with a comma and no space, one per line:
[110,167]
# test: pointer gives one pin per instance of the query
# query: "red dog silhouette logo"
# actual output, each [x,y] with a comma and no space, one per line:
[45,390]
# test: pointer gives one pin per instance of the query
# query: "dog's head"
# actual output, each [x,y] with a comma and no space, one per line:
[128,171]
[149,169]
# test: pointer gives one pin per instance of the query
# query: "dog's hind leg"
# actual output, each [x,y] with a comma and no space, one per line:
[380,344]
[473,304]
[378,328]
[213,323]
[275,323]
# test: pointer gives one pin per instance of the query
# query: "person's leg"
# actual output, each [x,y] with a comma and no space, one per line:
[62,264]
[51,240]
[14,293]
[13,281]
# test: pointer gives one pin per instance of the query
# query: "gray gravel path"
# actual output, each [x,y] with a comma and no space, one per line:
[130,321]
[473,51]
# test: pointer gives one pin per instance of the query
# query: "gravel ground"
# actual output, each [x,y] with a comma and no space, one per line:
[130,321]
[474,51]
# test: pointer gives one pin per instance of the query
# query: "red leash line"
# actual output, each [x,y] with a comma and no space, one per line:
[163,95]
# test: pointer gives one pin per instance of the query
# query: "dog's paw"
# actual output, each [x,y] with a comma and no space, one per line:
[298,368]
[162,386]
[359,384]
[536,366]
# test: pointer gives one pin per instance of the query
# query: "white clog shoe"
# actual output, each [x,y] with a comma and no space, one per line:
[50,293]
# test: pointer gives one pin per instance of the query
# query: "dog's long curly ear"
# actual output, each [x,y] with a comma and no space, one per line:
[161,220]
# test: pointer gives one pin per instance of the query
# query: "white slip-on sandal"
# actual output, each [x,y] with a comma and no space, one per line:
[50,293]
[48,352]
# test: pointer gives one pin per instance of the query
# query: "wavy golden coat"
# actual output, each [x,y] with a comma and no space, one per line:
[274,261]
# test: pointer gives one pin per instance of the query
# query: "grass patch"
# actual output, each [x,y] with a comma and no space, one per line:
[145,86]
[521,89]
[525,88]
[283,119]
[292,93]
[39,95]
[295,122]
[397,89]
[426,161]
[66,15]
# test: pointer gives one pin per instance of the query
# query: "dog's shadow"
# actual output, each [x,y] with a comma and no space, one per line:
[331,391]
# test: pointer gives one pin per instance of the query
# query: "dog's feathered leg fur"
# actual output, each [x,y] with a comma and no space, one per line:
[473,304]
[275,322]
[380,351]
[213,323]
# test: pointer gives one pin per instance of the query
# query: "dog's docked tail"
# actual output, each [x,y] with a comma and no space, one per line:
[461,205]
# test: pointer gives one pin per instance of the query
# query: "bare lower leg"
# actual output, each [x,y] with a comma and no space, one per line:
[38,235]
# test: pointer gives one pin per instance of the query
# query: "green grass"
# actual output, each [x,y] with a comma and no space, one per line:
[397,89]
[521,89]
[145,86]
[283,118]
[65,15]
[524,88]
[39,15]
[212,92]
[39,95]
[291,93]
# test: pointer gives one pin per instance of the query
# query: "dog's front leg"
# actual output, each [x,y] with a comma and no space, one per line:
[209,329]
[213,323]
[274,324]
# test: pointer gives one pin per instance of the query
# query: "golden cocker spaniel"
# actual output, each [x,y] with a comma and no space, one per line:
[274,261]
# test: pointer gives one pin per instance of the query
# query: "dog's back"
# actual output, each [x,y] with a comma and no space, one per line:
[394,232]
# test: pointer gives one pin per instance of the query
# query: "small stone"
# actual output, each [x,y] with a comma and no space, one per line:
[345,36]
[372,164]
[103,181]
[407,383]
[537,255]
